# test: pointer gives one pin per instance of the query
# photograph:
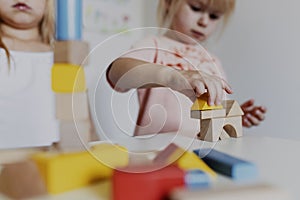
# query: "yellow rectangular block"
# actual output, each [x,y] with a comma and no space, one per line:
[72,106]
[71,51]
[68,78]
[67,171]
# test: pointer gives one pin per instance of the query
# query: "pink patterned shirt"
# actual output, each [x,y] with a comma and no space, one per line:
[162,109]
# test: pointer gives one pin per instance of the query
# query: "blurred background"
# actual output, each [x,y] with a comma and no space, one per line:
[259,50]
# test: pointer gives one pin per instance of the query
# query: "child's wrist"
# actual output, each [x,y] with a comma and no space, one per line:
[166,76]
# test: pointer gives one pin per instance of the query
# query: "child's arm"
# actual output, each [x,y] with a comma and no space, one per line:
[253,115]
[128,73]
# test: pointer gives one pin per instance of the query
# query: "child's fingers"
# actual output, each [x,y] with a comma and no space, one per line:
[258,114]
[252,119]
[227,87]
[248,103]
[263,109]
[199,88]
[246,122]
[212,92]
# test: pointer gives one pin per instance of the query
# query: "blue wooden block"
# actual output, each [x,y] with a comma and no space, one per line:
[237,169]
[68,19]
[196,179]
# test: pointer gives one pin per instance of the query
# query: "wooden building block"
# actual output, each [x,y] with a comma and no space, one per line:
[150,185]
[68,78]
[68,19]
[184,159]
[66,171]
[150,182]
[74,137]
[233,126]
[224,135]
[9,156]
[195,179]
[237,169]
[232,108]
[21,180]
[208,114]
[247,192]
[201,104]
[212,129]
[71,51]
[72,106]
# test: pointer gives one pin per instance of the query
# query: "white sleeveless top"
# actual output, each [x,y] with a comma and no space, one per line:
[27,103]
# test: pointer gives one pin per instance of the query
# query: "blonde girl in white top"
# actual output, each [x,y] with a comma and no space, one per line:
[27,107]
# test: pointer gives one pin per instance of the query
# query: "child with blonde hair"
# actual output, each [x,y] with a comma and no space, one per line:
[175,61]
[27,117]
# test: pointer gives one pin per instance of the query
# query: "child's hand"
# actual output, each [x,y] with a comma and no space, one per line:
[253,115]
[195,83]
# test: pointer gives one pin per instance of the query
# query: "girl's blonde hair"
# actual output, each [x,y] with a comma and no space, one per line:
[46,27]
[167,9]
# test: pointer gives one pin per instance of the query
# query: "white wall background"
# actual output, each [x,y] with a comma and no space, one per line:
[260,53]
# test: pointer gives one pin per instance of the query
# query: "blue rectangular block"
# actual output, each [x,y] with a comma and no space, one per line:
[195,179]
[68,19]
[237,169]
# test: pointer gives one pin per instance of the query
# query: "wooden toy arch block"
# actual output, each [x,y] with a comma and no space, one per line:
[220,123]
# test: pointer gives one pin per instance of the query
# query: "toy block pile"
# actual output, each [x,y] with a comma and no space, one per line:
[174,168]
[68,78]
[217,122]
[54,172]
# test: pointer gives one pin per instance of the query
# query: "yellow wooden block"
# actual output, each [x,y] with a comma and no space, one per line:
[189,161]
[67,171]
[184,159]
[68,78]
[201,104]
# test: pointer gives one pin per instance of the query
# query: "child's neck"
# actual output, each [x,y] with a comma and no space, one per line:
[24,35]
[23,39]
[180,37]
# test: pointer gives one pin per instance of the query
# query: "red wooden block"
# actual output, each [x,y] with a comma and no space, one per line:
[131,183]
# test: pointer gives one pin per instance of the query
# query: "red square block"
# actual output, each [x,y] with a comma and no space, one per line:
[152,184]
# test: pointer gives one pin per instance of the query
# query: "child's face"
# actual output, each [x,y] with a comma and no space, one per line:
[196,20]
[22,13]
